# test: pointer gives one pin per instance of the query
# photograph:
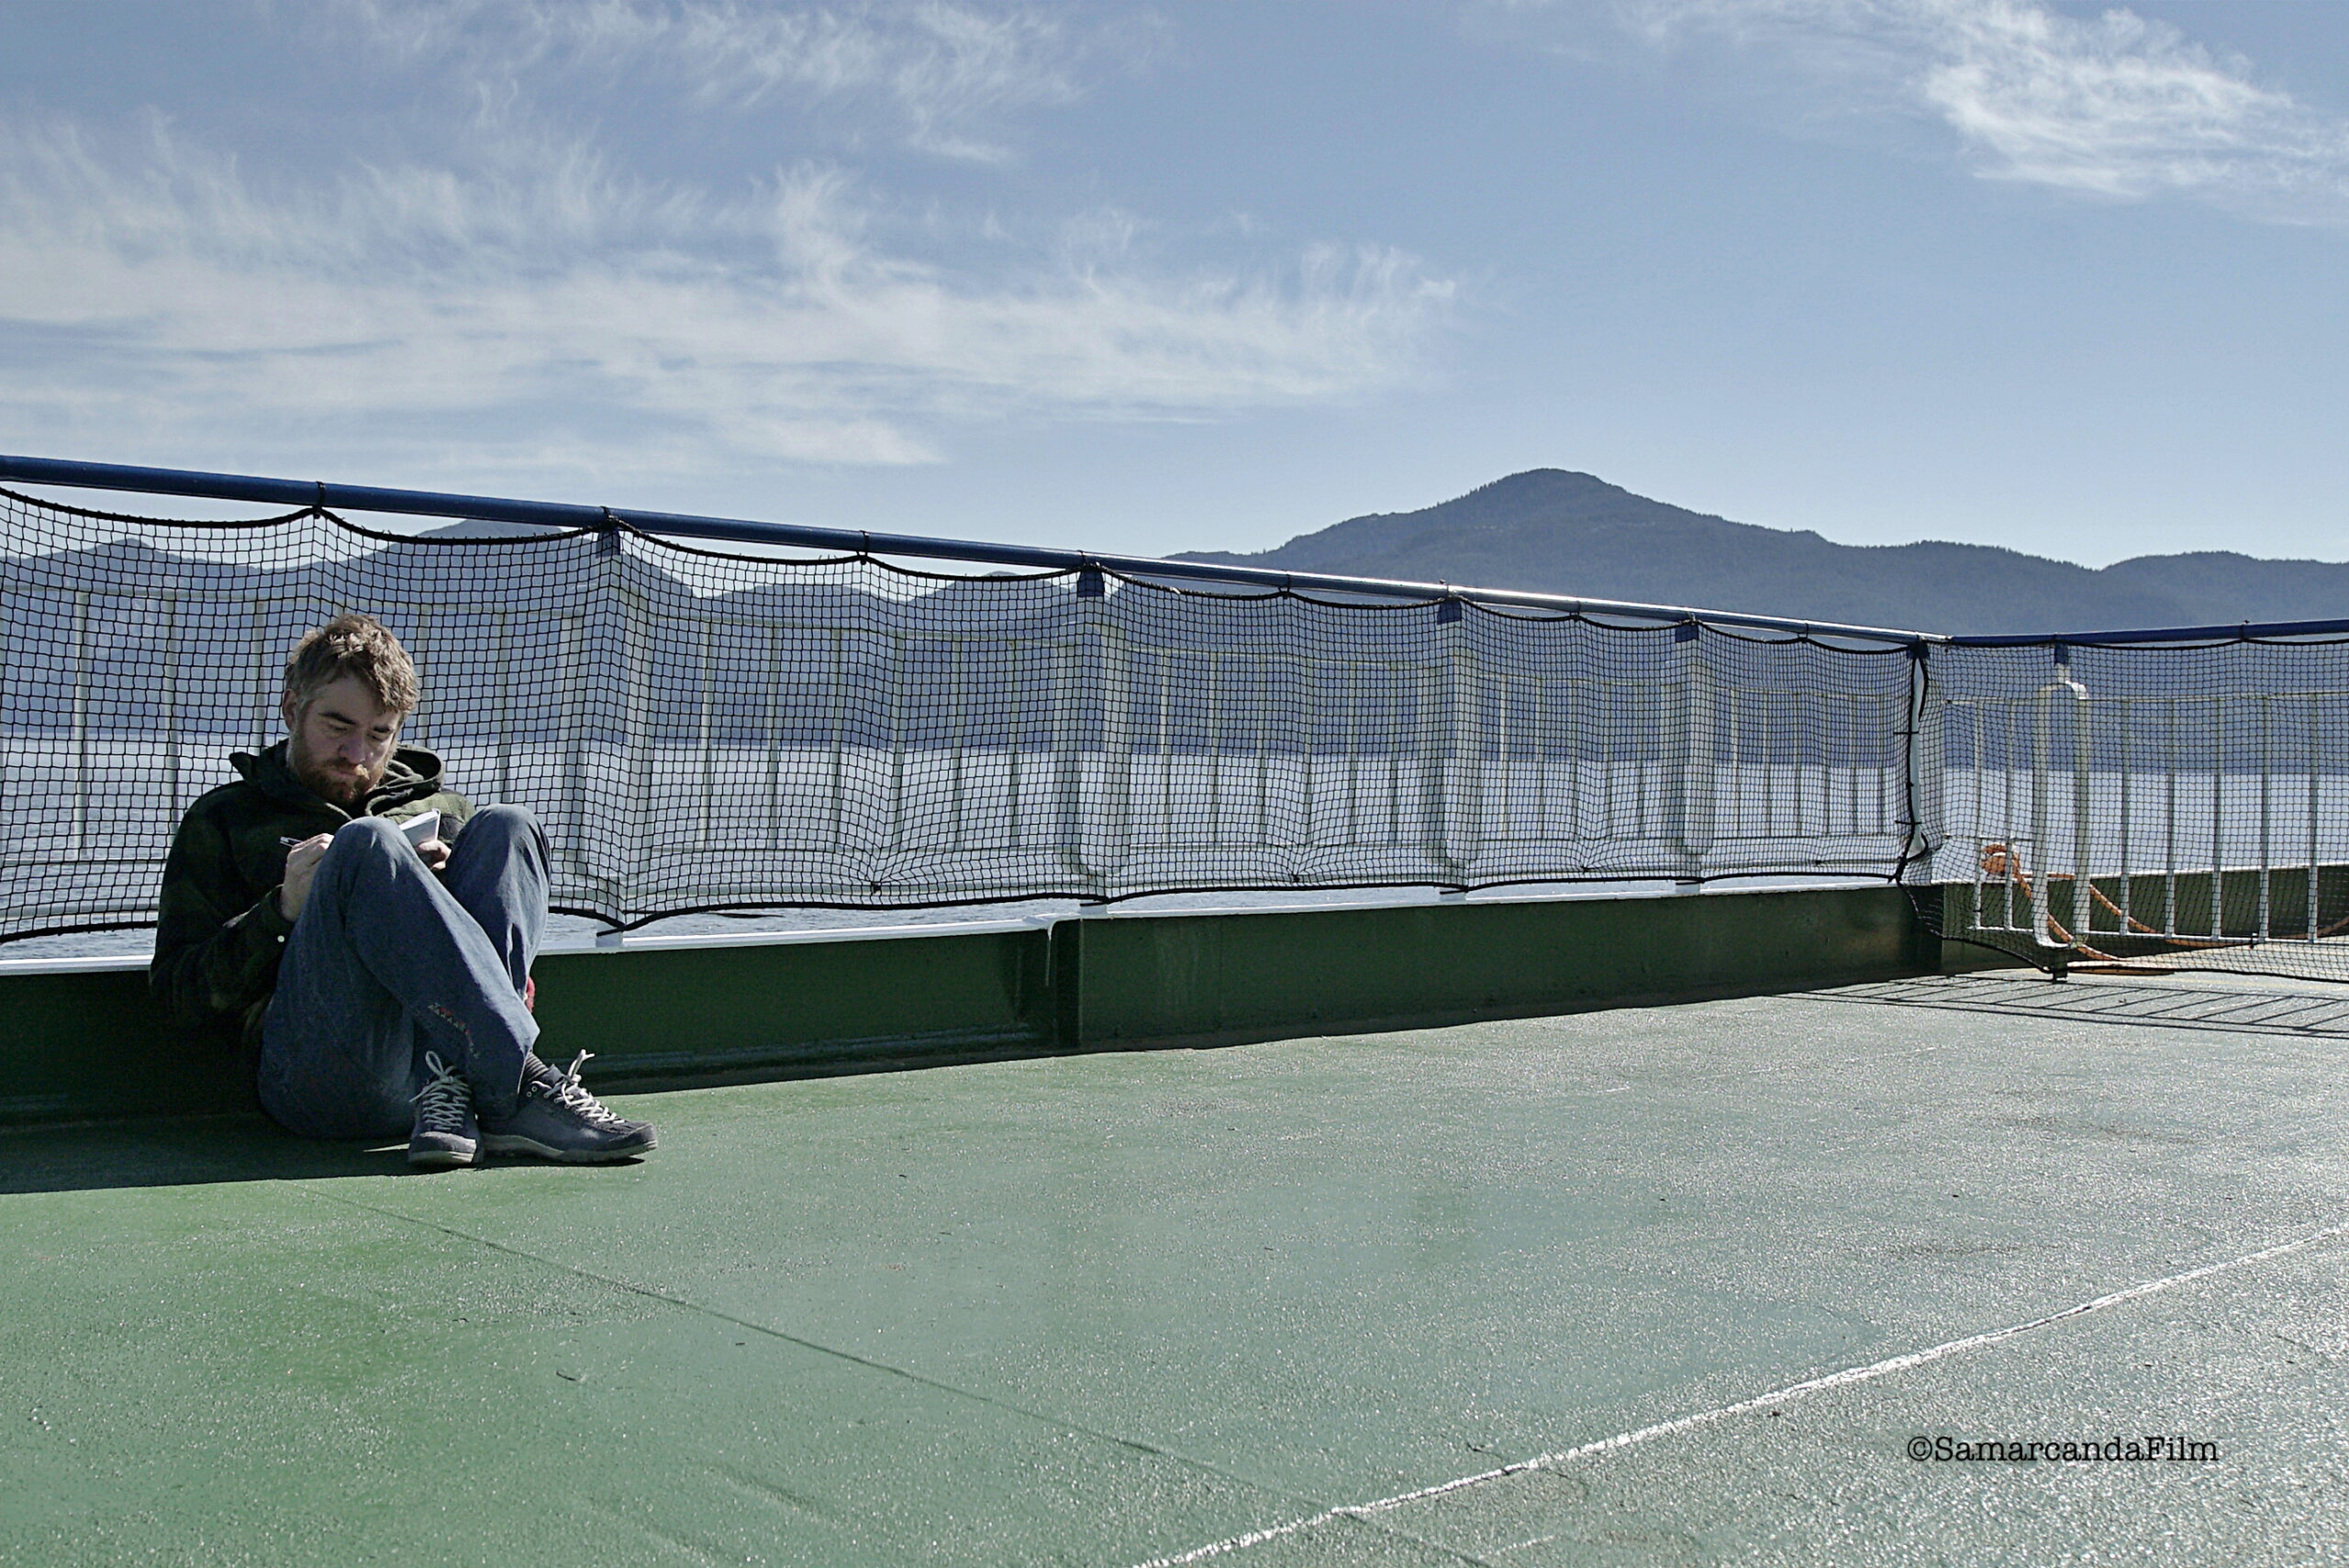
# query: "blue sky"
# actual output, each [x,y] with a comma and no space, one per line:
[1204,276]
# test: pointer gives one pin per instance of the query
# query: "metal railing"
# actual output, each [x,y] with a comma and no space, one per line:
[689,752]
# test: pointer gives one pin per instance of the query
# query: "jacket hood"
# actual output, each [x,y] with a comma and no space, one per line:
[412,773]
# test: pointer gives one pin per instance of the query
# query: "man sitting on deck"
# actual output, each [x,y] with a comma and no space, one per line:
[385,985]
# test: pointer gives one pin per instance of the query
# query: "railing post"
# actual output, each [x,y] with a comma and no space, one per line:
[1450,767]
[1094,832]
[82,722]
[505,662]
[2266,815]
[171,715]
[419,649]
[1112,815]
[708,759]
[2083,809]
[637,746]
[2043,876]
[839,691]
[571,677]
[900,667]
[1922,760]
[2131,813]
[958,710]
[263,688]
[2315,759]
[1068,760]
[2218,815]
[1689,725]
[2169,817]
[771,716]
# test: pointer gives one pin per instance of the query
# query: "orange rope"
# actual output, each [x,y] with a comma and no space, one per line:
[2001,859]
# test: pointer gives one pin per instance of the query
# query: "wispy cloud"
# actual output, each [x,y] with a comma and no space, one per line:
[2117,106]
[945,74]
[546,301]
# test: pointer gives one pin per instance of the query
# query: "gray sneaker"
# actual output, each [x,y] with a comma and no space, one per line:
[444,1132]
[556,1120]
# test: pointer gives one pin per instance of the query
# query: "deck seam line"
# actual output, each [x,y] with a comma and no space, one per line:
[919,1379]
[1843,1379]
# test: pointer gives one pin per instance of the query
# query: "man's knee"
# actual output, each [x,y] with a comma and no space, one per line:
[509,819]
[365,853]
[363,842]
[360,830]
[507,827]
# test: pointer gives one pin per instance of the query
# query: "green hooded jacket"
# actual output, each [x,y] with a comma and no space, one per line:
[221,935]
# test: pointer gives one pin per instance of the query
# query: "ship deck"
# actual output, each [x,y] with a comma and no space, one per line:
[1646,1285]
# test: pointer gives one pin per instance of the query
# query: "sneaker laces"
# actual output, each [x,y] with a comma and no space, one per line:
[442,1103]
[572,1096]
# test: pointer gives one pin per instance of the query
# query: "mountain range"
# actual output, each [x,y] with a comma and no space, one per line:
[1553,531]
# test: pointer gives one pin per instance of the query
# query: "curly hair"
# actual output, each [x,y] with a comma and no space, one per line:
[352,645]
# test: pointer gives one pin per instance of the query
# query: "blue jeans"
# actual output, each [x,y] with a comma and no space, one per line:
[388,961]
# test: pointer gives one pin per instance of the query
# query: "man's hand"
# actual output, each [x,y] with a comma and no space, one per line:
[434,853]
[301,865]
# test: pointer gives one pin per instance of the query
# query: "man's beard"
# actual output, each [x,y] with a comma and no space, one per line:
[334,782]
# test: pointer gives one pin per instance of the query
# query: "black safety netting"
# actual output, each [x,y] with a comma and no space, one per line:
[703,729]
[2143,807]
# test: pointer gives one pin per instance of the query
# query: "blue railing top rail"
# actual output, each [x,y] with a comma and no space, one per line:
[554,514]
[2246,631]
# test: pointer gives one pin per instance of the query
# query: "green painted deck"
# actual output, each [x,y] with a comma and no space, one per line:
[1122,1308]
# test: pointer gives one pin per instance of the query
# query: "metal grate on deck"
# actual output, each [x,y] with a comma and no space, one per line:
[2230,1009]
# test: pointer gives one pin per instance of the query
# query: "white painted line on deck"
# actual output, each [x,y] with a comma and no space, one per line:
[1744,1407]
